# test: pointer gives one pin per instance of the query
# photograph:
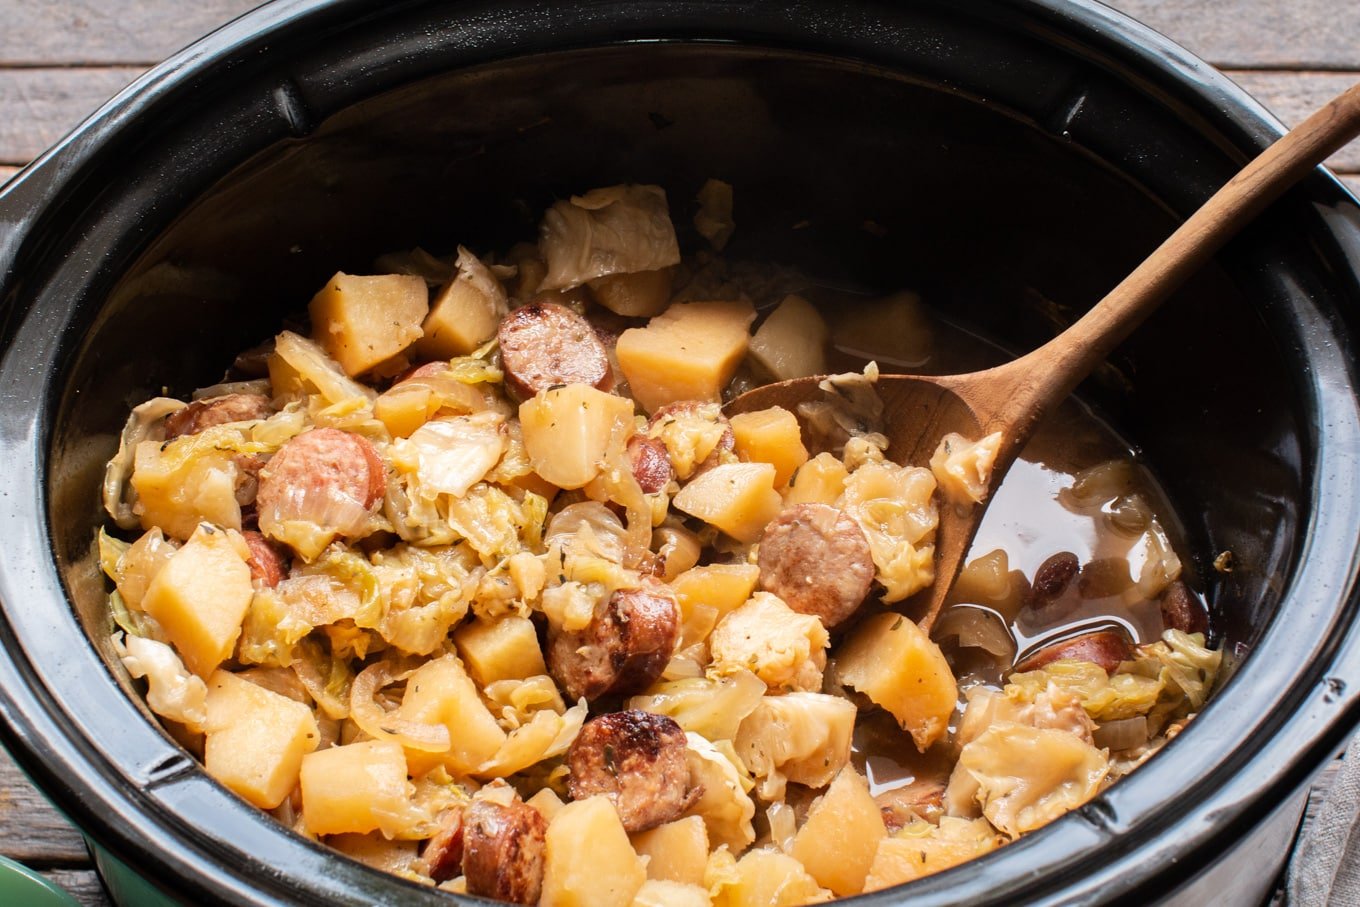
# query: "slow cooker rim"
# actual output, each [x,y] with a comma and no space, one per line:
[88,136]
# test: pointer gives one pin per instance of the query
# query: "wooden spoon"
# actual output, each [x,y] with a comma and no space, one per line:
[1013,398]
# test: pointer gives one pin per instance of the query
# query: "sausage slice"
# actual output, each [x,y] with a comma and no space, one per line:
[623,650]
[637,760]
[816,558]
[266,564]
[1053,577]
[503,851]
[544,344]
[1106,648]
[1182,610]
[202,414]
[651,463]
[325,476]
[442,858]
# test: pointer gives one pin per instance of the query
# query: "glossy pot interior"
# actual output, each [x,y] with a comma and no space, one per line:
[191,221]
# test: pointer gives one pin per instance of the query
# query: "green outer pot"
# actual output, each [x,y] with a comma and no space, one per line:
[21,885]
[125,887]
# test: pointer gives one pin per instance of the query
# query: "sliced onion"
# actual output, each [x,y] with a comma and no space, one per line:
[381,724]
[978,628]
[1122,734]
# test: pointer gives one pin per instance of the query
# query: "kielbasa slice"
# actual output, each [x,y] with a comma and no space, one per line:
[544,344]
[203,414]
[816,558]
[623,650]
[1053,577]
[266,564]
[503,848]
[442,858]
[325,476]
[637,760]
[1106,648]
[651,463]
[1182,610]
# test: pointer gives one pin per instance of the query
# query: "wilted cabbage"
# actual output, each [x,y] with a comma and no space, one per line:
[614,230]
[724,806]
[172,692]
[691,435]
[451,455]
[1052,706]
[713,707]
[1023,777]
[146,422]
[1105,697]
[895,508]
[546,736]
[799,737]
[922,848]
[299,367]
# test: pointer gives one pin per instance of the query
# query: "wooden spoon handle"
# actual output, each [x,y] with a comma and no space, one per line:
[1052,372]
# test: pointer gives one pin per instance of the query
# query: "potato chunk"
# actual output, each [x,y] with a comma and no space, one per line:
[353,788]
[177,489]
[201,596]
[589,861]
[688,352]
[738,498]
[362,321]
[892,661]
[799,737]
[785,649]
[706,594]
[893,330]
[791,343]
[567,431]
[767,878]
[466,311]
[841,834]
[921,849]
[441,692]
[641,294]
[505,649]
[256,739]
[663,893]
[677,851]
[818,481]
[770,436]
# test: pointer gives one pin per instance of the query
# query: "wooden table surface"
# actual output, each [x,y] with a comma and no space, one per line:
[60,59]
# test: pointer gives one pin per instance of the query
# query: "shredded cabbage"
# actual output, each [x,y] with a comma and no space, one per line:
[146,423]
[615,230]
[172,692]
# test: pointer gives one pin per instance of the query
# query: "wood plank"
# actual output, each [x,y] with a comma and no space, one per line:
[1293,96]
[86,32]
[31,830]
[39,106]
[1257,34]
[82,884]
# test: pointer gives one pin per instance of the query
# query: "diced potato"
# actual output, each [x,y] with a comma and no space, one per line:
[893,662]
[374,850]
[714,220]
[963,468]
[719,587]
[841,834]
[894,330]
[256,739]
[738,498]
[352,788]
[466,311]
[201,596]
[678,850]
[589,861]
[922,849]
[546,802]
[818,481]
[688,352]
[641,294]
[785,649]
[410,404]
[441,692]
[770,436]
[567,431]
[768,878]
[658,893]
[798,737]
[175,493]
[362,321]
[791,343]
[505,649]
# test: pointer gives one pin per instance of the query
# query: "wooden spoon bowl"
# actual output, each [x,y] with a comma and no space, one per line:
[918,411]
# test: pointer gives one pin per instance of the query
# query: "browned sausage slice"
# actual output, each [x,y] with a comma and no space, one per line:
[1053,577]
[816,558]
[1182,610]
[544,344]
[919,799]
[623,650]
[266,564]
[637,760]
[503,851]
[325,476]
[651,463]
[202,414]
[442,858]
[1106,648]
